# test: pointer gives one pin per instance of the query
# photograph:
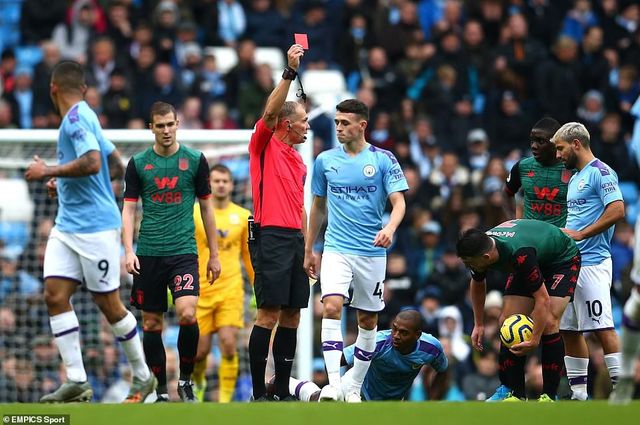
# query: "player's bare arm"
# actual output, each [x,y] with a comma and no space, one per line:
[438,384]
[478,293]
[86,165]
[613,213]
[209,222]
[398,207]
[116,167]
[316,218]
[132,263]
[279,94]
[541,311]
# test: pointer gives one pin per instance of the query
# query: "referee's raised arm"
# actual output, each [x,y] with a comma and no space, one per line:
[279,94]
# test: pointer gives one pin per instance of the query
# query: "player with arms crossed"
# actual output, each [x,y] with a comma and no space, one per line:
[543,180]
[544,264]
[595,205]
[221,306]
[84,244]
[281,286]
[399,356]
[357,179]
[168,177]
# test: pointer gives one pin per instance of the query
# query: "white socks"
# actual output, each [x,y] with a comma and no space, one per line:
[332,344]
[613,360]
[126,332]
[364,350]
[303,390]
[577,371]
[66,332]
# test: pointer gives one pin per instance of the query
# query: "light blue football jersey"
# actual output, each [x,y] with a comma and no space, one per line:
[391,373]
[590,191]
[86,204]
[356,188]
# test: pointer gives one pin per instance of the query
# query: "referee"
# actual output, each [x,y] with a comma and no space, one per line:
[277,244]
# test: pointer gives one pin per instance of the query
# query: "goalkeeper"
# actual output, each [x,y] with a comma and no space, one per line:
[221,306]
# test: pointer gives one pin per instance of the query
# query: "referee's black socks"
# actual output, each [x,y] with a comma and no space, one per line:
[284,350]
[258,353]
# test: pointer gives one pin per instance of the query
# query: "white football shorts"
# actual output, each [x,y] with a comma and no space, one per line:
[92,258]
[365,275]
[591,306]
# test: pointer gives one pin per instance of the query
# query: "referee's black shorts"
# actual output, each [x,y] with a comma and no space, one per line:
[277,255]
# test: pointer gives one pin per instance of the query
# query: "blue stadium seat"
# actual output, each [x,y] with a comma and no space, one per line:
[14,233]
[631,213]
[28,55]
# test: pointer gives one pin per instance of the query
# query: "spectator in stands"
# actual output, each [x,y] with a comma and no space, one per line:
[117,102]
[401,31]
[252,97]
[578,19]
[165,88]
[594,68]
[72,37]
[190,65]
[242,73]
[480,384]
[559,74]
[478,154]
[232,21]
[142,36]
[591,111]
[611,148]
[425,151]
[509,123]
[14,280]
[38,18]
[119,27]
[381,77]
[218,118]
[6,115]
[166,18]
[210,84]
[314,23]
[142,79]
[101,64]
[42,105]
[190,114]
[450,276]
[7,69]
[21,98]
[445,178]
[356,40]
[265,25]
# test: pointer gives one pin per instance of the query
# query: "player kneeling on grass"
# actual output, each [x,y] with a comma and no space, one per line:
[544,264]
[399,356]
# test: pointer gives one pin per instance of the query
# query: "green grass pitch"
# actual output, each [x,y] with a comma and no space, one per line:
[381,413]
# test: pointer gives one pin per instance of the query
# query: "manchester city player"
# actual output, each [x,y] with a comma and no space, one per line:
[398,357]
[595,204]
[353,181]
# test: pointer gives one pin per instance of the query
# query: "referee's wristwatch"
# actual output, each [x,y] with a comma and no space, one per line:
[289,74]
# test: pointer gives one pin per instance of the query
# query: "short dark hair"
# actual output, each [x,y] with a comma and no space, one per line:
[288,108]
[547,125]
[221,168]
[69,76]
[161,108]
[413,316]
[353,106]
[473,243]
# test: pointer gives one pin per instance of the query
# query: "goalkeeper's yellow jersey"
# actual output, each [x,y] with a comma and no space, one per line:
[231,223]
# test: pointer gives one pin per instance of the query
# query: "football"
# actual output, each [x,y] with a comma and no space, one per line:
[516,328]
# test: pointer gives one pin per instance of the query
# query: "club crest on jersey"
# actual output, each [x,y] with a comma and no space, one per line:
[565,176]
[581,184]
[369,170]
[183,164]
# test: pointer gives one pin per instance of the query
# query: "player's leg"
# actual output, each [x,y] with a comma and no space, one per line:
[100,260]
[599,309]
[229,364]
[259,342]
[206,325]
[184,286]
[229,319]
[62,275]
[368,291]
[154,352]
[630,342]
[336,275]
[304,390]
[552,348]
[510,366]
[576,357]
[285,339]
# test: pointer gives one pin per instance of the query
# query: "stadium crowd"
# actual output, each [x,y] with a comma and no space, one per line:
[453,87]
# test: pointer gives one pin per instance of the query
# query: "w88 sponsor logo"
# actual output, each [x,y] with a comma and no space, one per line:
[546,208]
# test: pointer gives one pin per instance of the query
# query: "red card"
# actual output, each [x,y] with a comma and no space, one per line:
[302,40]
